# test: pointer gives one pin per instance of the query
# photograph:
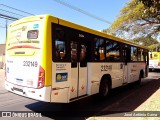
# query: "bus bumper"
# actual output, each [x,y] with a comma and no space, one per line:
[42,94]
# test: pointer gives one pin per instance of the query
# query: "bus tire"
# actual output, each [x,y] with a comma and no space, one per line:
[150,70]
[140,78]
[104,88]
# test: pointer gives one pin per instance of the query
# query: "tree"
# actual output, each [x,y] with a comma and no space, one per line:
[146,41]
[151,43]
[108,32]
[138,19]
[151,3]
[154,47]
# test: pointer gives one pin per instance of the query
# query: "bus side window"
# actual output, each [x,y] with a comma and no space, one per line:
[83,61]
[60,49]
[99,49]
[140,55]
[134,54]
[73,54]
[112,51]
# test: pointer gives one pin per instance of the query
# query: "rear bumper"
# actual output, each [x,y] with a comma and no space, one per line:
[154,67]
[42,94]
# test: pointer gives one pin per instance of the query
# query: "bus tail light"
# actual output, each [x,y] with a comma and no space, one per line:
[158,63]
[41,78]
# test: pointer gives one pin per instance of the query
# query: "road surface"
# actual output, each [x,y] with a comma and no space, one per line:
[122,99]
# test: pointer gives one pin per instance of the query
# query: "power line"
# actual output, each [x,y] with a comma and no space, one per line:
[16,9]
[11,12]
[8,17]
[81,11]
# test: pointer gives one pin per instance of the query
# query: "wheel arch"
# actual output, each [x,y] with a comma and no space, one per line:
[107,77]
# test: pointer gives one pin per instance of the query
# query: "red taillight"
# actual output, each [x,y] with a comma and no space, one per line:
[158,63]
[41,78]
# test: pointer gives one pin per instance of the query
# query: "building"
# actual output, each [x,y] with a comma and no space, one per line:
[2,55]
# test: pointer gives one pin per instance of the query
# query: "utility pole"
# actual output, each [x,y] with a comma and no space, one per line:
[6,29]
[6,17]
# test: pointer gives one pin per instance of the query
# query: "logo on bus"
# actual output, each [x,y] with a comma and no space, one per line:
[60,77]
[18,36]
[36,26]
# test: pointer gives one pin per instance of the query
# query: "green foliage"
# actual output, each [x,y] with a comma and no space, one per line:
[146,41]
[154,47]
[138,19]
[151,43]
[151,3]
[108,32]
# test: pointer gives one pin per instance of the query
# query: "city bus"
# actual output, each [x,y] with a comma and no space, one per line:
[53,60]
[154,61]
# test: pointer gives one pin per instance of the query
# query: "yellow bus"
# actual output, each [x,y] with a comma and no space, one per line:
[154,61]
[53,60]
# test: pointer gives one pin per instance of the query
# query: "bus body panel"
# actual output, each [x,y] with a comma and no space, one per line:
[153,64]
[26,56]
[61,75]
[133,71]
[96,72]
[117,75]
[83,80]
[47,51]
[154,60]
[74,83]
[23,54]
[42,94]
[22,75]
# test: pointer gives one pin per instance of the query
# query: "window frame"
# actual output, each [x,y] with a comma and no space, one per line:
[132,59]
[62,38]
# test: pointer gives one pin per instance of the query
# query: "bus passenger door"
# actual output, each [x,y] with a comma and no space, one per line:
[78,69]
[126,59]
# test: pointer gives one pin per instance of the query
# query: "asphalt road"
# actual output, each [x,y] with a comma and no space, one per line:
[123,99]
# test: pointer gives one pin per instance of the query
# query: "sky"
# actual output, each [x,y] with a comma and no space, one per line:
[105,9]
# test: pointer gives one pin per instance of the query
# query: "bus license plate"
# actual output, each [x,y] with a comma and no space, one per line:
[18,88]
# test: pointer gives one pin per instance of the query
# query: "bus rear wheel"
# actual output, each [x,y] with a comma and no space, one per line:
[104,88]
[140,79]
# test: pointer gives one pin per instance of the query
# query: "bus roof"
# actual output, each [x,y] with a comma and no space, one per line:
[75,26]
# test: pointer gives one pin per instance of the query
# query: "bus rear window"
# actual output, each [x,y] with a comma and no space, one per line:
[32,34]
